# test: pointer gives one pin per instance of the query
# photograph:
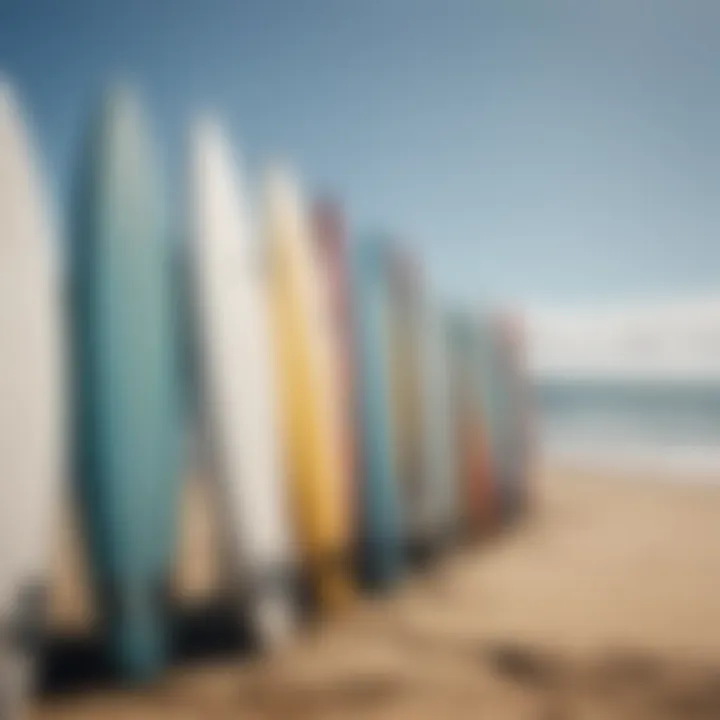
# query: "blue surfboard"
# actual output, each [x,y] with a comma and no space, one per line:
[379,507]
[126,382]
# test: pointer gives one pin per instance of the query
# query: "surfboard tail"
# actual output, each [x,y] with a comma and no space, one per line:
[334,589]
[139,638]
[16,669]
[273,619]
[381,562]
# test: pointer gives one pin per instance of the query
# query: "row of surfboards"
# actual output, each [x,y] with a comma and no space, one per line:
[343,417]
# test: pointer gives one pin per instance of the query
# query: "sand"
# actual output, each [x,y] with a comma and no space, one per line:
[604,603]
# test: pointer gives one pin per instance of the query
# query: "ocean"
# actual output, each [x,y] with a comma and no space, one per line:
[668,425]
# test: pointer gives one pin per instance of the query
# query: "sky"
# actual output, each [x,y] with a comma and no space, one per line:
[533,151]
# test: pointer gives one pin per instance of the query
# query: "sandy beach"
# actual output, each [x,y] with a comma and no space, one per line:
[604,603]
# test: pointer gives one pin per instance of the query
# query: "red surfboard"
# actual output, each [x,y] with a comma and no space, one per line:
[510,338]
[471,416]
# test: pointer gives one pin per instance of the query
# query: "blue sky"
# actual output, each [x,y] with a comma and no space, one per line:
[543,151]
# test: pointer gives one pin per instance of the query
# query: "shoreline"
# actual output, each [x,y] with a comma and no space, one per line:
[684,464]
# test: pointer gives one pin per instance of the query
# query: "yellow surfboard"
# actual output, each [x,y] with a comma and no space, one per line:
[308,377]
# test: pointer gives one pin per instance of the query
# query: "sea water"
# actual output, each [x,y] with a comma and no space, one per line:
[669,425]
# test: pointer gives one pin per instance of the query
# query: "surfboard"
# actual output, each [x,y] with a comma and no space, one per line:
[488,365]
[440,462]
[126,381]
[511,409]
[237,386]
[307,381]
[331,238]
[32,401]
[407,395]
[471,397]
[498,411]
[380,537]
[524,408]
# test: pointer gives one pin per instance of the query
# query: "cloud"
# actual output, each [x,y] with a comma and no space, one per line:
[676,339]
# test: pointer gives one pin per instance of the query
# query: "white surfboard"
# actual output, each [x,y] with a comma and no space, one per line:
[31,422]
[236,383]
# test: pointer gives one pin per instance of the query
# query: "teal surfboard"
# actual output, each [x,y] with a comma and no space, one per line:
[126,382]
[379,502]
